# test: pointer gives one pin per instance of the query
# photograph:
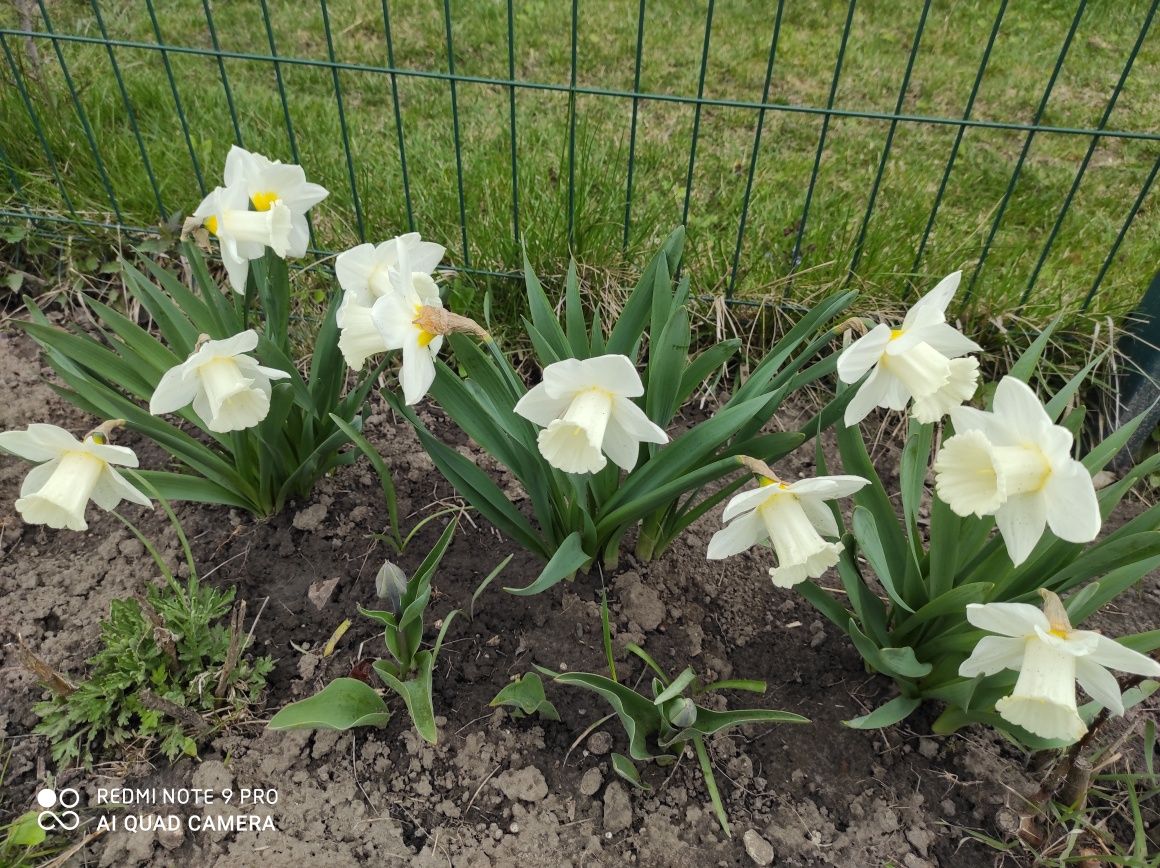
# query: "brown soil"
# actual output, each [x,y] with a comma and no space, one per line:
[495,791]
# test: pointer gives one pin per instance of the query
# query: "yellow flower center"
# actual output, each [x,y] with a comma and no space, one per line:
[895,334]
[765,480]
[425,337]
[263,201]
[210,223]
[1059,633]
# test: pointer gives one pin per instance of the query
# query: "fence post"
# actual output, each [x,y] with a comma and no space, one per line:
[1140,387]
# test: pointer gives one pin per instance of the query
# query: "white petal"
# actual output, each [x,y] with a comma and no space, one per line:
[619,445]
[613,373]
[1007,619]
[38,442]
[1073,512]
[820,516]
[964,378]
[110,454]
[932,306]
[747,501]
[1098,683]
[993,654]
[863,354]
[426,256]
[1042,717]
[829,487]
[353,267]
[1021,521]
[237,269]
[947,339]
[737,536]
[175,390]
[242,342]
[239,166]
[112,488]
[394,316]
[418,371]
[36,477]
[1110,653]
[1019,408]
[635,423]
[426,288]
[539,407]
[870,395]
[787,575]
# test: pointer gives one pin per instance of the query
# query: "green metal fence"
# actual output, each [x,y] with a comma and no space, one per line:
[117,117]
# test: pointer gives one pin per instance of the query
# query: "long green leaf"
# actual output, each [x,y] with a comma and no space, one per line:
[568,558]
[888,714]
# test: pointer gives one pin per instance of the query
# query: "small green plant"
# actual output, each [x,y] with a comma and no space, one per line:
[349,702]
[169,671]
[660,726]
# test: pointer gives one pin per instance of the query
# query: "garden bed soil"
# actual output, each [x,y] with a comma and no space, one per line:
[495,790]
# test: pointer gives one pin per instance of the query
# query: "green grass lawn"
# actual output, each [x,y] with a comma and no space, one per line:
[876,56]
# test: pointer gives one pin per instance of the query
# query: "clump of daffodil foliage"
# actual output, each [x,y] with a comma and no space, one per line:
[169,672]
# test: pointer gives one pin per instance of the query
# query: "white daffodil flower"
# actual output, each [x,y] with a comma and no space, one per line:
[229,390]
[69,473]
[1015,464]
[918,361]
[1050,657]
[268,181]
[244,234]
[366,270]
[793,518]
[367,273]
[584,407]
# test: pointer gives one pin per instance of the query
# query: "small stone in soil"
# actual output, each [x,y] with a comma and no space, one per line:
[617,808]
[758,848]
[591,781]
[600,743]
[643,605]
[928,747]
[321,592]
[311,518]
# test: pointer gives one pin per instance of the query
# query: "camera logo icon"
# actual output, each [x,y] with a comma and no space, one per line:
[49,819]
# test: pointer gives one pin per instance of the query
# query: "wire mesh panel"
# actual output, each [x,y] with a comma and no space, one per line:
[804,145]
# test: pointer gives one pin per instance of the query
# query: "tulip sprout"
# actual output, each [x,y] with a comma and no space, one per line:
[660,727]
[349,702]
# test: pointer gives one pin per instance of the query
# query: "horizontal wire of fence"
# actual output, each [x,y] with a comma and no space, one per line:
[39,157]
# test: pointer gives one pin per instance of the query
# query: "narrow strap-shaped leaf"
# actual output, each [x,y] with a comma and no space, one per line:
[678,685]
[426,570]
[639,717]
[220,307]
[630,325]
[174,325]
[952,602]
[576,327]
[866,531]
[1028,361]
[193,307]
[182,486]
[703,365]
[1058,402]
[543,315]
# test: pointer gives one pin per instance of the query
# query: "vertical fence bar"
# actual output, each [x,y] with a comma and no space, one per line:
[82,116]
[176,98]
[455,134]
[898,105]
[36,126]
[756,149]
[129,112]
[281,85]
[942,187]
[1120,236]
[1023,153]
[278,81]
[795,257]
[572,130]
[225,79]
[358,212]
[632,129]
[1104,118]
[697,114]
[511,40]
[398,117]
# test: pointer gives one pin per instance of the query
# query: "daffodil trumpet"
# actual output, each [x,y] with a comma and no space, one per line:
[69,473]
